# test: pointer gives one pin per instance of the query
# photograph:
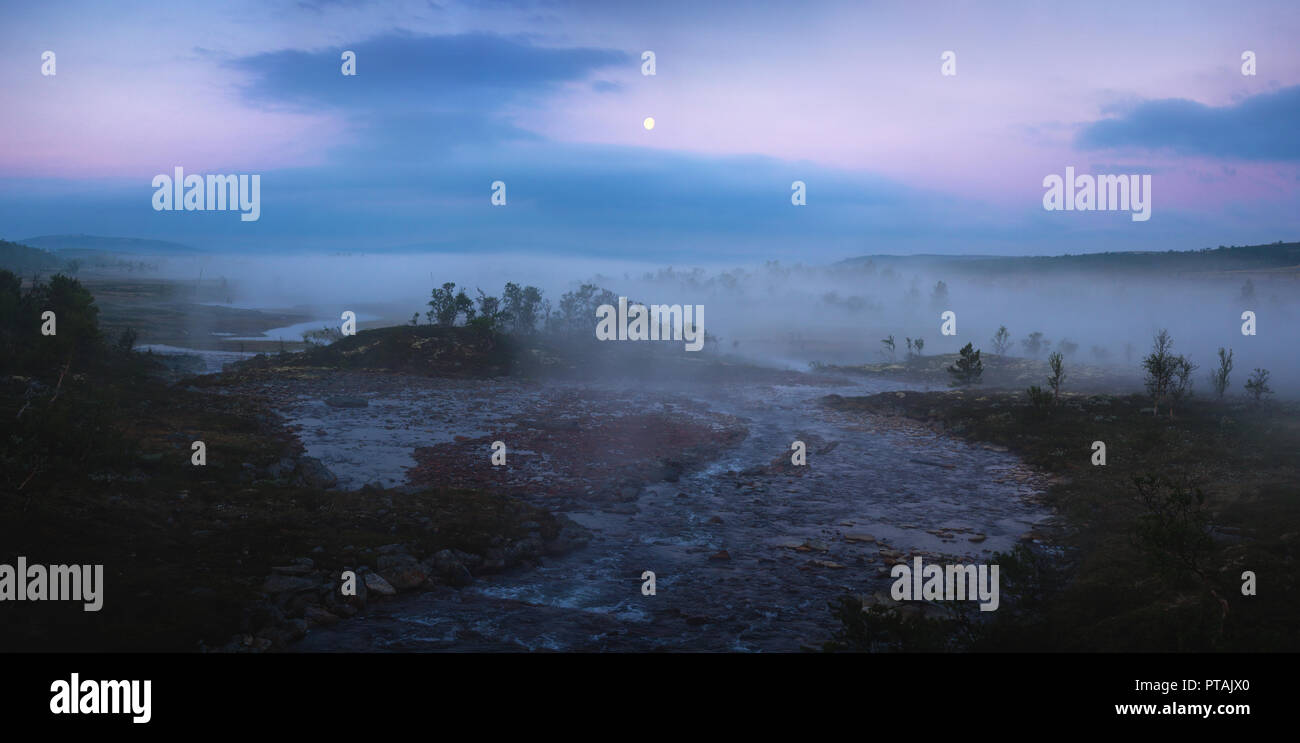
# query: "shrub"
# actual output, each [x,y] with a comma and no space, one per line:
[1038,398]
[1173,529]
[1257,385]
[1035,344]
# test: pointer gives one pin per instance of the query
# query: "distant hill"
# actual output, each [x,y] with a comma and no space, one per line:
[87,244]
[24,259]
[1278,257]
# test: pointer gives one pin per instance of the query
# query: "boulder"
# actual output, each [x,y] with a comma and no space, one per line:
[375,583]
[315,474]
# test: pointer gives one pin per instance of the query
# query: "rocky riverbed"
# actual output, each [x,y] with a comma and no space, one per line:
[690,481]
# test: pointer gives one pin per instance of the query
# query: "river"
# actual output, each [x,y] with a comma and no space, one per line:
[746,552]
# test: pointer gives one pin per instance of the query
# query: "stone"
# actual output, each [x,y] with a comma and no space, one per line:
[402,571]
[377,584]
[315,474]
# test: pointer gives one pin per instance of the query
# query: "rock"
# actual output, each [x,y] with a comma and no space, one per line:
[671,472]
[494,560]
[319,617]
[402,571]
[715,520]
[827,564]
[977,538]
[572,535]
[720,555]
[448,565]
[377,584]
[525,549]
[315,474]
[858,537]
[355,601]
[295,629]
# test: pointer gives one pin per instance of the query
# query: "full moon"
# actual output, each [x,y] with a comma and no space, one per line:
[649,123]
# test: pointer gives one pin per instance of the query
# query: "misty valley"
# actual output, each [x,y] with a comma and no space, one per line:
[426,470]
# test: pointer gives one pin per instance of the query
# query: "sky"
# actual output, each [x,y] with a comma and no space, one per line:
[549,97]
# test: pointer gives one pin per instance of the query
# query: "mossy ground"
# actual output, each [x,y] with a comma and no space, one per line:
[1110,597]
[186,548]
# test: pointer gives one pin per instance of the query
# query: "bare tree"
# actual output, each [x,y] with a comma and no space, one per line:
[1001,341]
[1219,378]
[890,347]
[1180,383]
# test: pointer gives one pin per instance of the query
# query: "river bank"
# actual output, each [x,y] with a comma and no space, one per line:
[1153,566]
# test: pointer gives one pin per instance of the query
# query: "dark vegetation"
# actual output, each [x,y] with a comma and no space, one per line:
[1157,538]
[96,469]
[23,259]
[968,368]
[1275,257]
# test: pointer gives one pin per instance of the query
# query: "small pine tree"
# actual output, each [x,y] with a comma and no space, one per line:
[968,369]
[1057,364]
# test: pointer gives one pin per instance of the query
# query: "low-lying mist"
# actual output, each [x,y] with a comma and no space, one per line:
[790,315]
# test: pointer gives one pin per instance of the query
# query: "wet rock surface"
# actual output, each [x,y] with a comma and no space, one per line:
[692,482]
